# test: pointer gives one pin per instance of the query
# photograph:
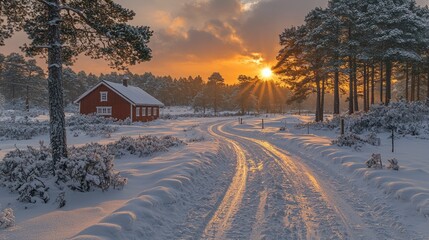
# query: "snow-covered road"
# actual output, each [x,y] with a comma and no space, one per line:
[277,195]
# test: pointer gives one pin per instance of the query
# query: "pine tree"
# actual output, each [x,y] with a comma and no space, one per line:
[64,29]
[215,83]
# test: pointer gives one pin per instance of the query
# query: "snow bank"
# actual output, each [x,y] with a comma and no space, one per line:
[154,212]
[405,184]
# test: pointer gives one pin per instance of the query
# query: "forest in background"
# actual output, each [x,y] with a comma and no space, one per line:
[21,77]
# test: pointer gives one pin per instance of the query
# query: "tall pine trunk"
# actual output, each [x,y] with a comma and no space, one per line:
[351,107]
[427,85]
[388,81]
[365,80]
[356,95]
[322,102]
[418,84]
[381,81]
[372,84]
[318,99]
[413,83]
[55,85]
[336,92]
[407,80]
[367,87]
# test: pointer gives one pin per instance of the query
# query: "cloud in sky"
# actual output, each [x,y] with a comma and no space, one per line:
[231,36]
[198,37]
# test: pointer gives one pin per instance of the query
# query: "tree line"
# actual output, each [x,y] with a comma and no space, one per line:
[370,51]
[250,94]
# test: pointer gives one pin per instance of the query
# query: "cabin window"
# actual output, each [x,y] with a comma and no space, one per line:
[103,96]
[149,112]
[104,111]
[156,111]
[137,111]
[152,112]
[143,111]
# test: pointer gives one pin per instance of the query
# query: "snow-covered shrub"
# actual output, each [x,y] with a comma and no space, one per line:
[61,199]
[30,173]
[88,168]
[328,124]
[349,140]
[374,161]
[406,117]
[393,164]
[372,139]
[23,171]
[93,125]
[7,219]
[79,120]
[22,129]
[143,145]
[94,130]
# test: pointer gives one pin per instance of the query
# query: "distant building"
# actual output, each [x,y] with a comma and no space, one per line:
[119,101]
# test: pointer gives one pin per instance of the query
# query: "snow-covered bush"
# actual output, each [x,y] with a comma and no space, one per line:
[87,168]
[92,125]
[30,173]
[374,161]
[406,117]
[7,219]
[22,129]
[80,120]
[393,164]
[61,199]
[372,139]
[349,140]
[143,145]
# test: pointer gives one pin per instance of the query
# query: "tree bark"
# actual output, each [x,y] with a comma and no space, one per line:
[336,92]
[322,103]
[388,81]
[351,107]
[55,85]
[356,95]
[413,83]
[372,84]
[407,80]
[367,87]
[381,81]
[318,98]
[427,85]
[365,104]
[418,84]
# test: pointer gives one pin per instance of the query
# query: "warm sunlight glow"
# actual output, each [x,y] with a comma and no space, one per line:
[266,73]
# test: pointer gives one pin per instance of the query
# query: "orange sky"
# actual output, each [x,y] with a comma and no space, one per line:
[198,37]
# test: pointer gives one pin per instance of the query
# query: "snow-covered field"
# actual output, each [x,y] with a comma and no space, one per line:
[235,181]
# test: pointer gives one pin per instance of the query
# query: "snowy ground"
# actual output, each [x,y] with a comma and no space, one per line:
[242,182]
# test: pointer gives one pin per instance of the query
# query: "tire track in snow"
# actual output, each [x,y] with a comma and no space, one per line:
[221,219]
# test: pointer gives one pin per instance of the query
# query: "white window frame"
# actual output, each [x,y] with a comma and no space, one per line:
[137,111]
[104,111]
[143,111]
[152,111]
[103,96]
[156,111]
[149,113]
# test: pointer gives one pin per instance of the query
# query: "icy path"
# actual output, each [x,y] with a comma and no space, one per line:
[276,195]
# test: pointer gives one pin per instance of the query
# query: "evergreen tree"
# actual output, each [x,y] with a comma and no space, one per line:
[214,85]
[64,29]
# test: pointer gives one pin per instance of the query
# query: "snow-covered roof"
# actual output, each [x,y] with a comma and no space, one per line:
[134,95]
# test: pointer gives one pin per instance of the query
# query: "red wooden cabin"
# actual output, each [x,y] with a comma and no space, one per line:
[119,101]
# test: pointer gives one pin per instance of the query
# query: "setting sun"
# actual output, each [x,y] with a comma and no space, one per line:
[266,73]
